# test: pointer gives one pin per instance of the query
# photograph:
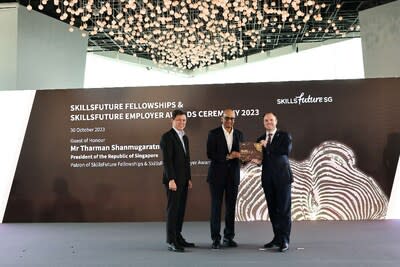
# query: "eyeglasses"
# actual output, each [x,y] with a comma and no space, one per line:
[229,118]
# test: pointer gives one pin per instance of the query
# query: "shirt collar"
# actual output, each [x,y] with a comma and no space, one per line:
[180,133]
[273,132]
[225,131]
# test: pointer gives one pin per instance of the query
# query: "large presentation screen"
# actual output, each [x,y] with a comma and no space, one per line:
[93,155]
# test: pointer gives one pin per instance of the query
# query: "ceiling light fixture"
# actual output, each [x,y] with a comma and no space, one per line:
[190,34]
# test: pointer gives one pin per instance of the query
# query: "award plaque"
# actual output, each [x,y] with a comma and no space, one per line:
[249,151]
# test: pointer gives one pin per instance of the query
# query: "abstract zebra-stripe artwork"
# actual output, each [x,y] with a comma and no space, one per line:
[327,186]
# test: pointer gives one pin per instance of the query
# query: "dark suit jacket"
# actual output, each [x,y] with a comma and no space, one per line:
[217,149]
[176,162]
[275,163]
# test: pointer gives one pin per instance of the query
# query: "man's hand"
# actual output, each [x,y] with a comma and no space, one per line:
[190,185]
[235,154]
[172,185]
[263,143]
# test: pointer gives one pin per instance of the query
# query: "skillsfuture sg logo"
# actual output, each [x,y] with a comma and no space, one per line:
[303,99]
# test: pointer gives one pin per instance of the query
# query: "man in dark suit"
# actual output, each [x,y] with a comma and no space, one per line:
[176,178]
[276,178]
[223,149]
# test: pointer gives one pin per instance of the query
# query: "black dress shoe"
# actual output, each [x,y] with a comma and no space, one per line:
[216,244]
[175,247]
[271,244]
[185,244]
[228,242]
[283,247]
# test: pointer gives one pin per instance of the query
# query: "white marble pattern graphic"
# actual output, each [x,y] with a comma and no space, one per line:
[327,186]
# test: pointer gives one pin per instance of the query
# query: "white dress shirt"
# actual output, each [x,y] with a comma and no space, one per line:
[181,134]
[228,138]
[272,136]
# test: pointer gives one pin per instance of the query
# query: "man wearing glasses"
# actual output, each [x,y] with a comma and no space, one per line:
[223,149]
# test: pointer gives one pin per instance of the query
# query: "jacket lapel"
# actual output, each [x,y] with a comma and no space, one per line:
[186,141]
[235,143]
[177,139]
[275,139]
[263,137]
[222,136]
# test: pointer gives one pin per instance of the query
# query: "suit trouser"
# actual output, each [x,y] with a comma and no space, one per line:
[176,205]
[279,201]
[217,193]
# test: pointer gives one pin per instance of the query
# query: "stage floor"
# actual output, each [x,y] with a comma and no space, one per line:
[323,243]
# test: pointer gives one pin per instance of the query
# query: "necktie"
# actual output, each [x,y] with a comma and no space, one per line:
[269,139]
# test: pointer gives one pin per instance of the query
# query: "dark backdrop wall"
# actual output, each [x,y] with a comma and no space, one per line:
[92,155]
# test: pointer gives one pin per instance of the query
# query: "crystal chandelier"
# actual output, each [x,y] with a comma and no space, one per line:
[190,34]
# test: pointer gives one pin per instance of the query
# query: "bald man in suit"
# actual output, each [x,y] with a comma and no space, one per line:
[223,149]
[276,179]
